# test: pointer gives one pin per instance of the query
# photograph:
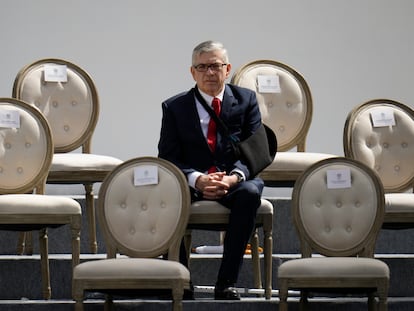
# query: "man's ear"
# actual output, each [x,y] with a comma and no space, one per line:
[228,70]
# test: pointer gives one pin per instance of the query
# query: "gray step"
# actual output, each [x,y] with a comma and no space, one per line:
[20,276]
[245,304]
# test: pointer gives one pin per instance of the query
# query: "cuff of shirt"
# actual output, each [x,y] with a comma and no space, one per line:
[192,178]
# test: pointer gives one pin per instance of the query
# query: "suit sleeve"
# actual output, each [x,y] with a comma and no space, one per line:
[169,146]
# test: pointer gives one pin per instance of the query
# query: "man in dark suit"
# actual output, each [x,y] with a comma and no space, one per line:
[190,140]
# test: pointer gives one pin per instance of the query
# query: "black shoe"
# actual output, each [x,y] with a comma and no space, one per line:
[226,293]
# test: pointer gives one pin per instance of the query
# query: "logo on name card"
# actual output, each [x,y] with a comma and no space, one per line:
[145,175]
[268,84]
[383,117]
[9,118]
[338,179]
[56,73]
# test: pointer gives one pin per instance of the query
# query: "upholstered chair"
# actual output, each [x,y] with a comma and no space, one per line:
[211,215]
[286,105]
[380,134]
[143,209]
[67,96]
[338,210]
[26,151]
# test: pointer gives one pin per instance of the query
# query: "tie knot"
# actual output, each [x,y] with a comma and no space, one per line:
[216,105]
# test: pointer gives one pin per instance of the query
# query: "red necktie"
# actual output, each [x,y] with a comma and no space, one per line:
[212,132]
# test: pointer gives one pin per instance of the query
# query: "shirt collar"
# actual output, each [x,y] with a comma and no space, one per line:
[209,98]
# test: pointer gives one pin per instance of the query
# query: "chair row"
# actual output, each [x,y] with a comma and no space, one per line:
[378,137]
[64,91]
[378,133]
[68,99]
[70,84]
[144,210]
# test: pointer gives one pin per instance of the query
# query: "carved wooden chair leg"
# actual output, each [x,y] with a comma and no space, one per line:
[90,211]
[43,248]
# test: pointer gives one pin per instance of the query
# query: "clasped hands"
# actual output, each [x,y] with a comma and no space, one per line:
[215,185]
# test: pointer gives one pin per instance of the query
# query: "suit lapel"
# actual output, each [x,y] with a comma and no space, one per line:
[228,102]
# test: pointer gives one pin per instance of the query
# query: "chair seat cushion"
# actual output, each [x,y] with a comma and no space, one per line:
[334,267]
[83,161]
[208,207]
[37,204]
[296,161]
[131,268]
[399,202]
[213,207]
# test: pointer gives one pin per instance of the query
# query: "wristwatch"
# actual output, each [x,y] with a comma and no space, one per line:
[239,176]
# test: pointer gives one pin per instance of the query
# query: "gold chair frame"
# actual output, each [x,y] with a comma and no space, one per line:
[32,210]
[346,265]
[72,139]
[392,161]
[289,116]
[142,269]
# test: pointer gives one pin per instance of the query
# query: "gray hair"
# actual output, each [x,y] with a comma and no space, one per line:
[209,46]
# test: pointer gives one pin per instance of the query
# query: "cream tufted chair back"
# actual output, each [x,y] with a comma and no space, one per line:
[380,134]
[26,147]
[387,147]
[26,151]
[67,96]
[70,104]
[338,209]
[147,220]
[288,111]
[286,106]
[143,210]
[341,221]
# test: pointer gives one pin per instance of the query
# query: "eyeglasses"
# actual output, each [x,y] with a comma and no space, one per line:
[204,67]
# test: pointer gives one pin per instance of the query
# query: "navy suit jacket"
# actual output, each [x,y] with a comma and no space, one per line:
[182,141]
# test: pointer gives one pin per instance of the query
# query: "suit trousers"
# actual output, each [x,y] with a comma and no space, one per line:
[243,200]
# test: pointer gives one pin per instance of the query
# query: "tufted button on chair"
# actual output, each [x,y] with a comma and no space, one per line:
[67,96]
[26,151]
[338,209]
[286,106]
[143,209]
[380,134]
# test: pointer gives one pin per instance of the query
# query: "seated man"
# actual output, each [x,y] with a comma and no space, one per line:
[190,140]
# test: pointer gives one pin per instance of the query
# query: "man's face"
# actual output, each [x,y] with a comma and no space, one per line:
[211,79]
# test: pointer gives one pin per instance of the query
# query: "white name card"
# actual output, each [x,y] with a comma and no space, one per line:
[338,179]
[56,73]
[145,175]
[268,84]
[382,117]
[9,118]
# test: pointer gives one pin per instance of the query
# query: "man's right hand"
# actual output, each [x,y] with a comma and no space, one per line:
[213,186]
